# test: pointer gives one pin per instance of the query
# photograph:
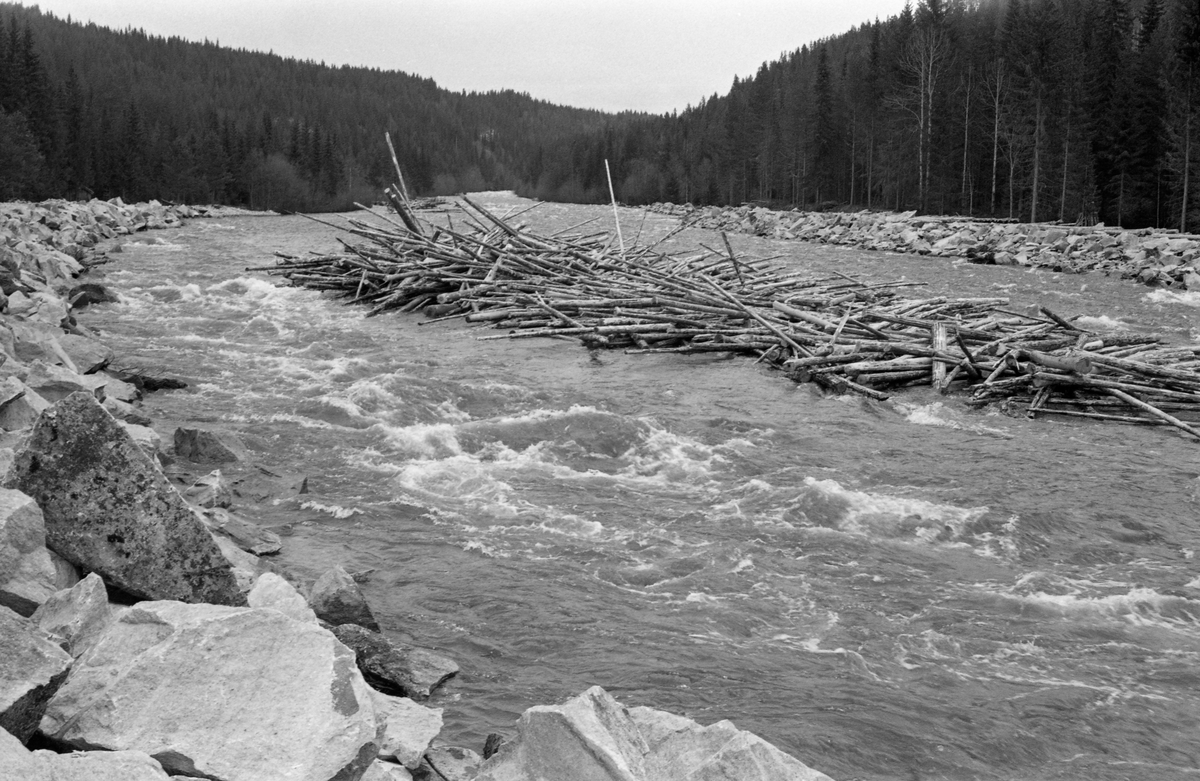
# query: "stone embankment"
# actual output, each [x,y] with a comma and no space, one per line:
[1157,258]
[145,633]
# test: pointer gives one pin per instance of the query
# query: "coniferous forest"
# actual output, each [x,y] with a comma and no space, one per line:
[1031,109]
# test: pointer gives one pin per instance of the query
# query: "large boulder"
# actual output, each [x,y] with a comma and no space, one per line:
[234,694]
[588,737]
[18,763]
[407,728]
[271,590]
[75,617]
[89,355]
[593,737]
[394,668]
[27,574]
[111,510]
[54,383]
[679,748]
[31,670]
[20,405]
[336,598]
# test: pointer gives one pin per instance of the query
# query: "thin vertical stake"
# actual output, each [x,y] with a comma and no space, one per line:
[612,194]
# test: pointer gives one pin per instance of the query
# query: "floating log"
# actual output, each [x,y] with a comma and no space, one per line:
[845,334]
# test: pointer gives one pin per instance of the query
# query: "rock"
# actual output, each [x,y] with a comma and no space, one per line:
[335,598]
[272,591]
[391,667]
[17,763]
[110,509]
[88,355]
[21,405]
[31,670]
[120,390]
[27,575]
[679,748]
[66,574]
[408,728]
[592,736]
[247,568]
[75,617]
[264,485]
[237,694]
[138,373]
[386,771]
[211,490]
[144,437]
[454,763]
[247,535]
[32,343]
[89,293]
[54,383]
[206,446]
[125,411]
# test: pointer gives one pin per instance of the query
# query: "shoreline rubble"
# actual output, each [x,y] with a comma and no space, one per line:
[1159,258]
[115,663]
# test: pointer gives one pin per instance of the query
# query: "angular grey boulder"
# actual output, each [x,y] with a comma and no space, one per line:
[17,763]
[391,667]
[682,749]
[406,728]
[336,598]
[109,509]
[593,737]
[75,617]
[31,670]
[27,573]
[236,694]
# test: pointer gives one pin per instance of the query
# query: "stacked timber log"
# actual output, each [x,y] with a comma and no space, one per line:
[1157,258]
[842,333]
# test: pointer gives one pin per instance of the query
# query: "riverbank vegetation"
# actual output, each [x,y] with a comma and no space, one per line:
[1072,110]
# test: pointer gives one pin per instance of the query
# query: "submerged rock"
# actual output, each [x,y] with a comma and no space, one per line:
[111,510]
[207,446]
[245,534]
[31,670]
[391,667]
[237,694]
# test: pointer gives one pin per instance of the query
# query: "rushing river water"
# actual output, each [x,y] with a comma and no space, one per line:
[898,590]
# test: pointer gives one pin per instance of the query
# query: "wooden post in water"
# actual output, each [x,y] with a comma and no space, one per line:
[616,218]
[941,342]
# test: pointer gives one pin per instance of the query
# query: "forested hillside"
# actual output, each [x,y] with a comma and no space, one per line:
[1035,109]
[85,109]
[1032,109]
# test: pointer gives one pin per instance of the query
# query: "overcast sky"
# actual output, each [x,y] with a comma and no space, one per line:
[646,55]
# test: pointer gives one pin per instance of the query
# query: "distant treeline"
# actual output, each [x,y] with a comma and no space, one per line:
[1034,109]
[89,110]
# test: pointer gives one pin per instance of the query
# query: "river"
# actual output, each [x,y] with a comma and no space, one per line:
[907,589]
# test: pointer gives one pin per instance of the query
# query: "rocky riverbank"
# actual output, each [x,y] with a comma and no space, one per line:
[145,632]
[1157,258]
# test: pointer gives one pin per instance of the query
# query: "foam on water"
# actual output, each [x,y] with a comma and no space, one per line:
[1101,323]
[828,504]
[938,414]
[1185,297]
